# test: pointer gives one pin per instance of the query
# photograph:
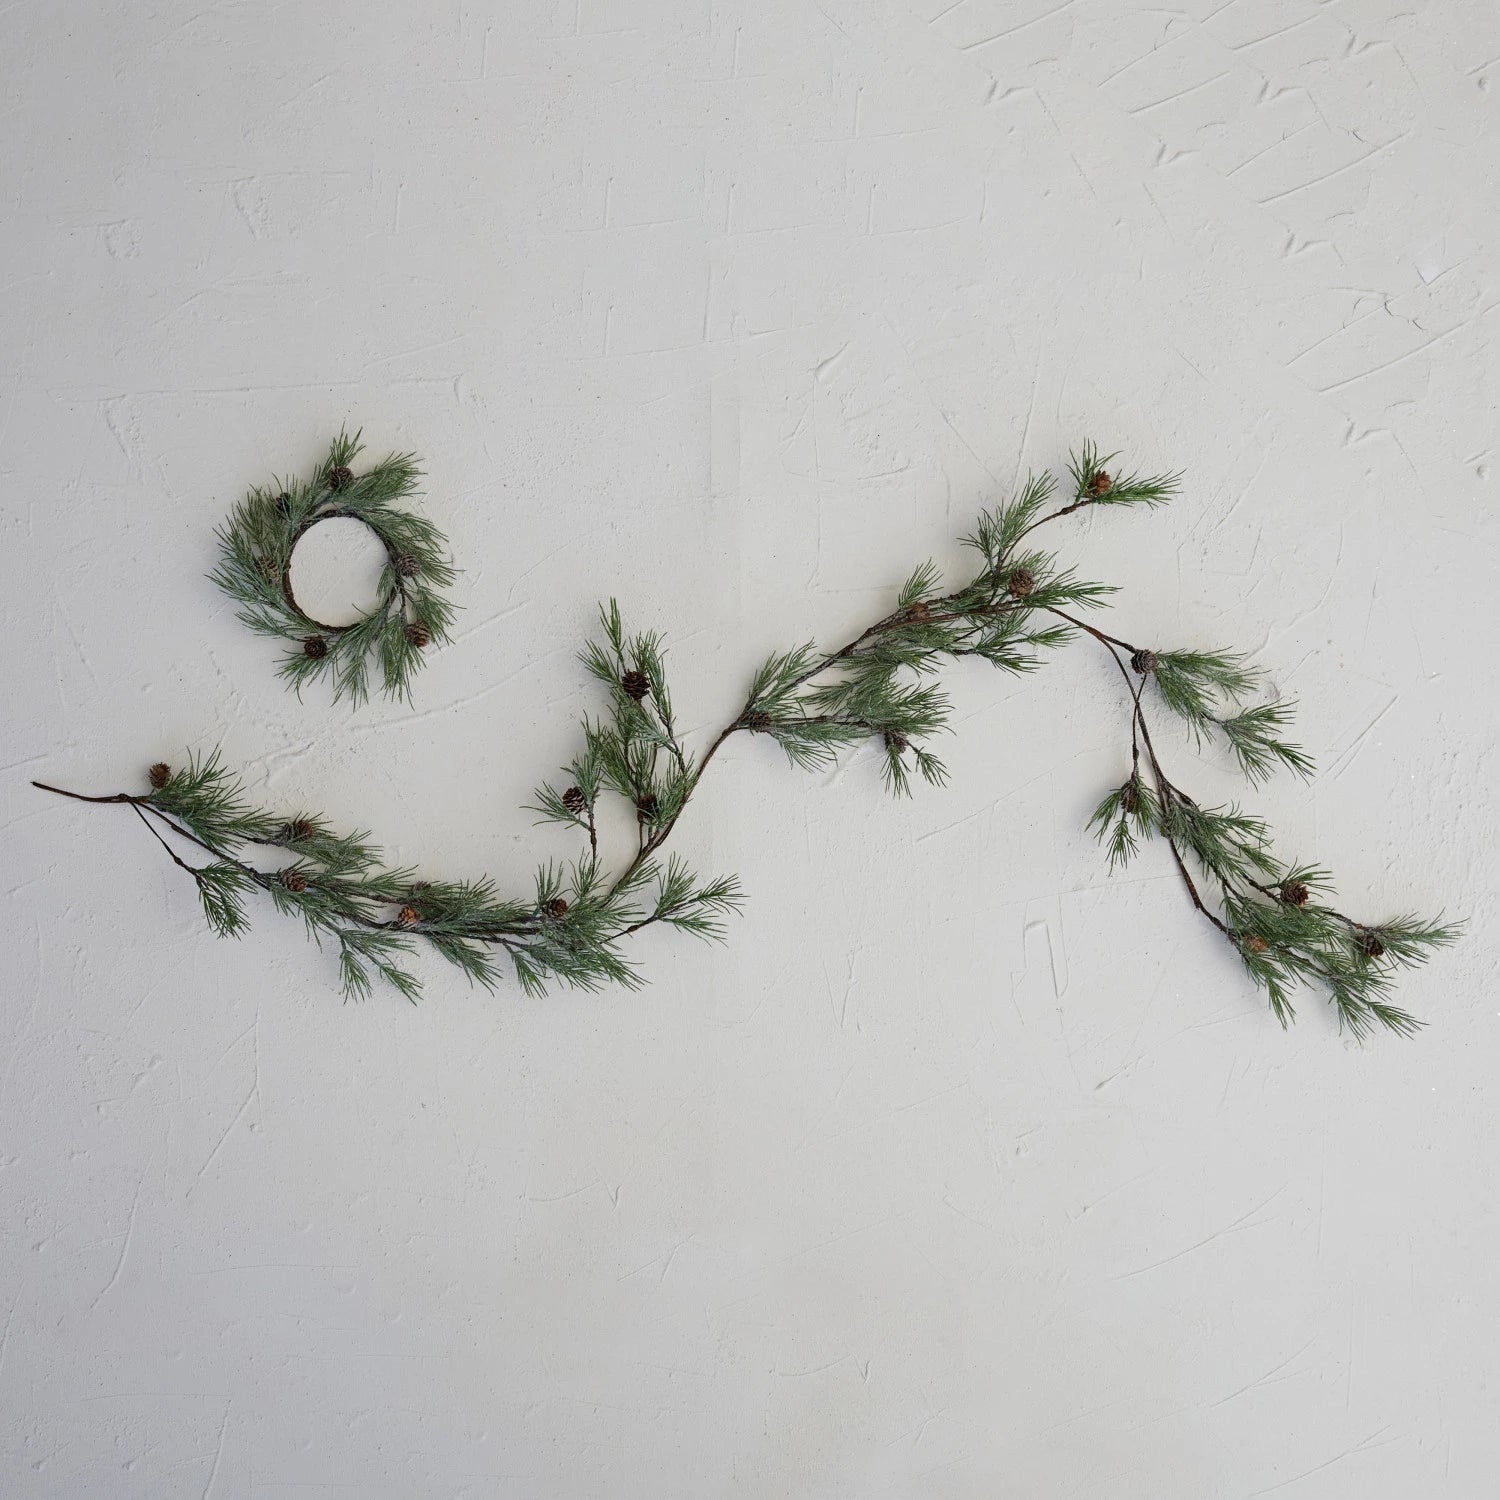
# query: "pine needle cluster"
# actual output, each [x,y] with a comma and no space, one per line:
[1014,604]
[411,611]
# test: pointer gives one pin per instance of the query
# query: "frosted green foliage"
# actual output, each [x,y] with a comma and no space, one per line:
[879,691]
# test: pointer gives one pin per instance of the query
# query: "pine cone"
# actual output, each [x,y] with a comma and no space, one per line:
[418,634]
[1100,485]
[297,830]
[294,880]
[1253,942]
[556,908]
[1295,893]
[636,684]
[408,566]
[160,774]
[574,800]
[897,742]
[341,478]
[268,569]
[1021,583]
[315,648]
[1144,661]
[408,916]
[1371,946]
[648,806]
[1129,798]
[919,612]
[759,722]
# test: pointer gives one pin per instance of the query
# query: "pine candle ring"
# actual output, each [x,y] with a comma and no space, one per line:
[411,612]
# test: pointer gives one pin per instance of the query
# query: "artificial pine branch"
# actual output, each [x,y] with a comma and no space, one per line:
[875,689]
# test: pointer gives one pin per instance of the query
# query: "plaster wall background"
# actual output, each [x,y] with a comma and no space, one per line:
[963,1169]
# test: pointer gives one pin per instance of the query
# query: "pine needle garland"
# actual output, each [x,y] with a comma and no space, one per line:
[877,689]
[411,610]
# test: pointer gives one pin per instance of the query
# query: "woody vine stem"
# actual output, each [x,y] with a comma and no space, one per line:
[877,688]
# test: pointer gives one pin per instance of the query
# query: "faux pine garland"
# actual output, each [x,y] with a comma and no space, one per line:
[878,688]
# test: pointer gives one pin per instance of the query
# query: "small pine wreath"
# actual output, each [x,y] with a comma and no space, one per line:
[411,612]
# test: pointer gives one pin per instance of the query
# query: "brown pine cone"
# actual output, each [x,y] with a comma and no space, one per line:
[556,908]
[1253,942]
[648,807]
[1101,484]
[297,830]
[294,880]
[268,569]
[408,916]
[920,612]
[160,774]
[636,684]
[1144,661]
[574,800]
[1371,946]
[418,634]
[1129,797]
[897,742]
[759,722]
[315,648]
[341,478]
[1295,893]
[1021,583]
[408,566]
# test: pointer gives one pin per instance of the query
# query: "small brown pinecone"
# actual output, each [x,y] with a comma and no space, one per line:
[1129,798]
[408,916]
[636,684]
[648,807]
[1144,661]
[897,742]
[341,478]
[1021,583]
[574,800]
[315,648]
[408,566]
[759,722]
[556,908]
[295,831]
[268,569]
[294,880]
[1295,893]
[1100,485]
[418,634]
[1371,946]
[284,503]
[1253,942]
[160,774]
[919,612]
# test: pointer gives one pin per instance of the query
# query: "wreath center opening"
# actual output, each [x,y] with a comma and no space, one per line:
[335,571]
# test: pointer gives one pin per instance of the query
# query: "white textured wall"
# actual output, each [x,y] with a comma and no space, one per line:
[963,1171]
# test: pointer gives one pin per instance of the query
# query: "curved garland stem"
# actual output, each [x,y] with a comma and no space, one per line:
[814,704]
